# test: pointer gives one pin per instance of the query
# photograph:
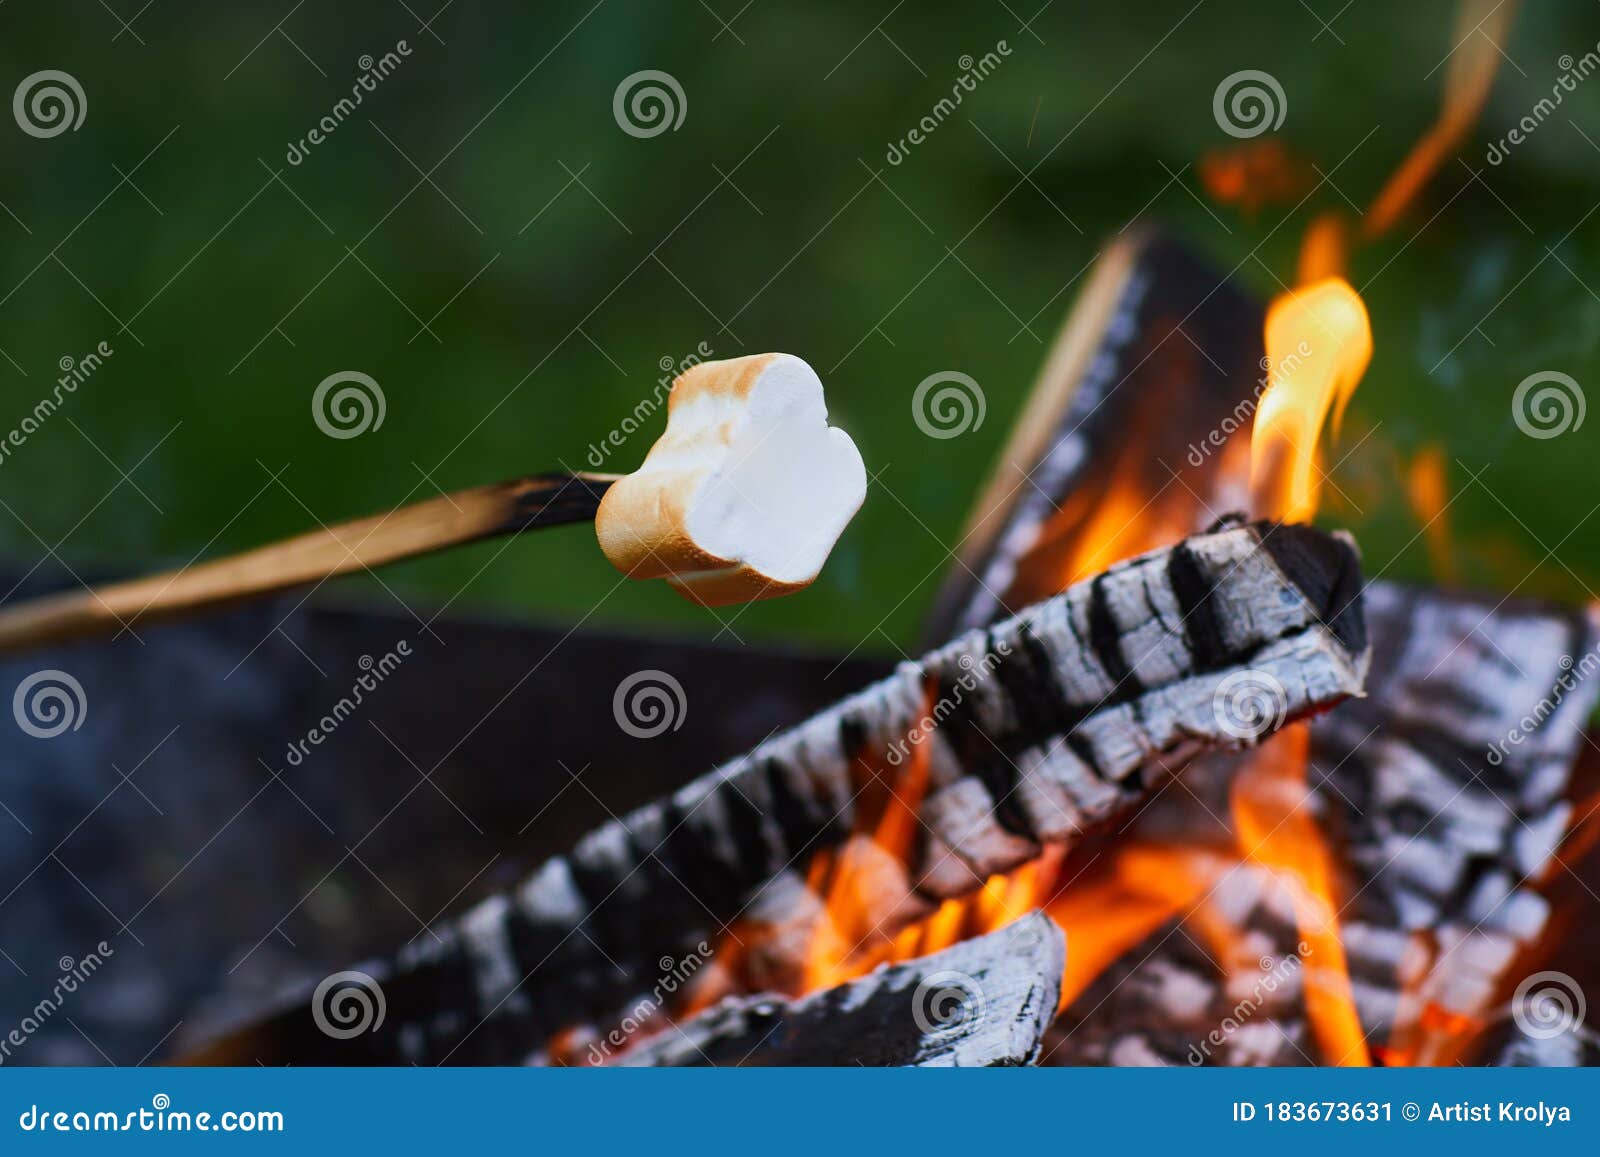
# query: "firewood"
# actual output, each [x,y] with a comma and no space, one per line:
[1439,819]
[985,1002]
[742,499]
[1035,730]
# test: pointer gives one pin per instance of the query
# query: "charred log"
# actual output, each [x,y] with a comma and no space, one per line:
[1033,731]
[986,1002]
[1444,789]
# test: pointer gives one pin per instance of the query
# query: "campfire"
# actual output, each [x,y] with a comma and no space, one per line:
[1172,782]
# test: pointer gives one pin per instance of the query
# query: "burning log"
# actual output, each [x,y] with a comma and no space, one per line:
[1032,732]
[1444,788]
[985,1002]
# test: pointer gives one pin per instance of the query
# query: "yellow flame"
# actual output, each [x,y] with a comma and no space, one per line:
[1319,341]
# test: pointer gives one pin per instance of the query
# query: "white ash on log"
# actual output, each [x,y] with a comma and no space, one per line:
[1440,818]
[982,1003]
[1035,730]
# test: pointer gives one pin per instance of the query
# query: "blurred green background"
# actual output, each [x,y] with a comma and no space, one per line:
[484,240]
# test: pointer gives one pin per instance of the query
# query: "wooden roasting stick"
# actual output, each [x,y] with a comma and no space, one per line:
[473,515]
[983,1003]
[741,498]
[1039,729]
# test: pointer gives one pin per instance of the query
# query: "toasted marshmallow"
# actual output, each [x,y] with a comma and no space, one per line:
[745,493]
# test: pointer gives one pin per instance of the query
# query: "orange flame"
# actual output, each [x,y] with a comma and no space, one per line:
[1428,491]
[1319,341]
[1277,830]
[1480,29]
